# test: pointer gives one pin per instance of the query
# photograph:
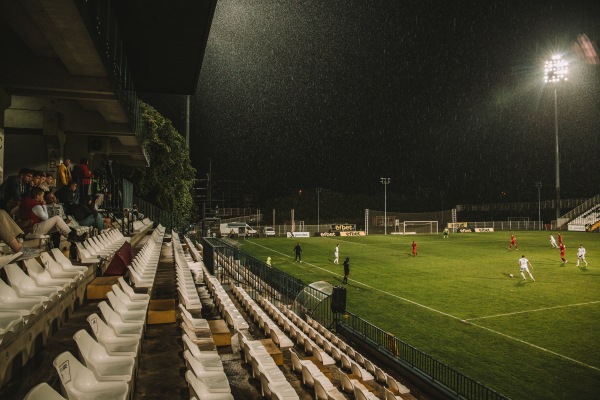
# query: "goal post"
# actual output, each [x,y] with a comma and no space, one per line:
[430,227]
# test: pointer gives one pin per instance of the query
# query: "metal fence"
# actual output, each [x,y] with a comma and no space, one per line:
[224,260]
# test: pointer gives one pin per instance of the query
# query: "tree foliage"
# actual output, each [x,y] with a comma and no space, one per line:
[168,181]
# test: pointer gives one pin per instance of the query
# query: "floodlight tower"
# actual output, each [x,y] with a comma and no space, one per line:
[385,181]
[555,71]
[538,185]
[318,208]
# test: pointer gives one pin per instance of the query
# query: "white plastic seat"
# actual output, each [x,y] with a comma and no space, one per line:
[360,393]
[196,324]
[113,343]
[43,391]
[43,277]
[198,354]
[66,264]
[85,256]
[80,383]
[131,293]
[202,364]
[124,312]
[103,365]
[282,391]
[327,392]
[57,271]
[360,372]
[380,375]
[130,304]
[24,286]
[370,367]
[391,396]
[215,380]
[117,324]
[347,383]
[396,387]
[10,321]
[198,389]
[10,301]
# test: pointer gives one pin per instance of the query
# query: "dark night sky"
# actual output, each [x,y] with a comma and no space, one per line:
[442,95]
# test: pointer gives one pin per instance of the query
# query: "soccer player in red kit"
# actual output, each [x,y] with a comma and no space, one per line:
[513,242]
[414,247]
[562,252]
[559,238]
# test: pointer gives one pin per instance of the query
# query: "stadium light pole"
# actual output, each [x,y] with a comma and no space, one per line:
[555,71]
[538,185]
[385,181]
[318,207]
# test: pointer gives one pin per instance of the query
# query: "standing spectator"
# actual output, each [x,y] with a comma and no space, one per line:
[64,174]
[9,233]
[346,270]
[298,251]
[562,253]
[525,264]
[33,212]
[336,254]
[14,188]
[513,242]
[414,248]
[83,176]
[553,242]
[581,255]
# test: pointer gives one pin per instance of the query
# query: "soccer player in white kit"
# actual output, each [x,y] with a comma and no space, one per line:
[553,242]
[336,254]
[525,264]
[581,255]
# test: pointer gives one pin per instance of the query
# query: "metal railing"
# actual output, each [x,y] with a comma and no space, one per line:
[224,260]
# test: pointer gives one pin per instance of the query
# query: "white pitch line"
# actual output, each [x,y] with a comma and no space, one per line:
[536,310]
[537,347]
[457,318]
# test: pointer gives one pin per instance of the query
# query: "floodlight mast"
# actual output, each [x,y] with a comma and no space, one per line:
[385,181]
[555,71]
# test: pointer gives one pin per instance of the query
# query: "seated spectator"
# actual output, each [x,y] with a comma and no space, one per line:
[50,181]
[14,188]
[44,182]
[136,214]
[54,207]
[36,179]
[34,215]
[68,195]
[86,214]
[9,234]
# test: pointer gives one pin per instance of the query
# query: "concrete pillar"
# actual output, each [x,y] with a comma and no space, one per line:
[54,146]
[4,104]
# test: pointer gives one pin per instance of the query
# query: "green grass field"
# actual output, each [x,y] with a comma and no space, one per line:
[456,302]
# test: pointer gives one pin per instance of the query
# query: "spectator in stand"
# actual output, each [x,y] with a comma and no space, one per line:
[9,234]
[36,178]
[64,174]
[14,188]
[54,207]
[68,195]
[50,181]
[81,173]
[86,214]
[34,215]
[44,182]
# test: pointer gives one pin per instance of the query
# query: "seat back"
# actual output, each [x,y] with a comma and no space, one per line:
[389,395]
[296,364]
[359,394]
[43,391]
[346,364]
[320,392]
[347,385]
[23,285]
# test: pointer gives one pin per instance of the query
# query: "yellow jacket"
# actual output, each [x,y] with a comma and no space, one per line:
[64,176]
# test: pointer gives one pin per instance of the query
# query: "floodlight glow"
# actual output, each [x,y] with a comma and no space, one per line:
[556,70]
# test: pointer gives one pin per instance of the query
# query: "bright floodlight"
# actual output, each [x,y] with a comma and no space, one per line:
[556,70]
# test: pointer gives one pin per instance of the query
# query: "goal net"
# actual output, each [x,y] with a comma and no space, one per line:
[420,227]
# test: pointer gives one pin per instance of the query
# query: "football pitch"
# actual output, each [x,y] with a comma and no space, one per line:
[457,302]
